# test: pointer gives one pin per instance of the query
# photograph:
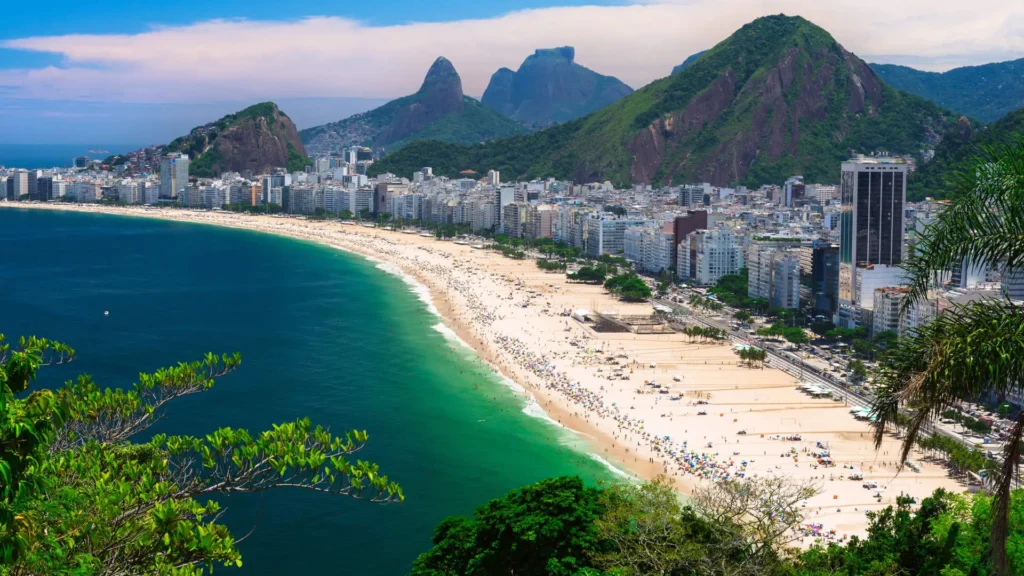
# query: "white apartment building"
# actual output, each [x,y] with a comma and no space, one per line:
[407,206]
[606,234]
[482,215]
[718,252]
[128,191]
[886,310]
[86,191]
[786,281]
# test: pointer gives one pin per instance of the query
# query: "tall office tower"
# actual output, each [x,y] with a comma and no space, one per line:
[873,192]
[173,174]
[825,277]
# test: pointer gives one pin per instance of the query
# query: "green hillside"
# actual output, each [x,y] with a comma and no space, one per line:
[779,97]
[986,92]
[958,145]
[256,138]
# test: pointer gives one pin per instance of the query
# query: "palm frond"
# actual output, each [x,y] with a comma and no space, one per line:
[984,226]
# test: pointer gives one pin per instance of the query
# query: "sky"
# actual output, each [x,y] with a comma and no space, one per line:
[147,72]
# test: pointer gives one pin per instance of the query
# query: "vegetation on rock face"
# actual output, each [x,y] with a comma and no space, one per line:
[987,92]
[779,97]
[78,496]
[437,111]
[936,178]
[261,136]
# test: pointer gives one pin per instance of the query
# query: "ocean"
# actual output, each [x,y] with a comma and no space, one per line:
[322,334]
[32,156]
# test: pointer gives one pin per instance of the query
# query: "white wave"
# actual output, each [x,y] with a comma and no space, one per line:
[421,291]
[612,467]
[570,437]
[450,335]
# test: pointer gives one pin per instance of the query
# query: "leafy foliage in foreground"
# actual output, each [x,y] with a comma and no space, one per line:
[561,527]
[971,350]
[78,497]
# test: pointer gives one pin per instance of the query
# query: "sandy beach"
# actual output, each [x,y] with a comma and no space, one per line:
[514,316]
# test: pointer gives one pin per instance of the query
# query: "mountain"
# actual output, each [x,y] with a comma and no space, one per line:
[985,92]
[963,140]
[437,111]
[550,87]
[689,60]
[777,98]
[257,138]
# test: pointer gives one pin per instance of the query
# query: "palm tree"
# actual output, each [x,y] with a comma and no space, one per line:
[973,349]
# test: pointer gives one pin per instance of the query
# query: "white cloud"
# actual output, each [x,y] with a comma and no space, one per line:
[331,57]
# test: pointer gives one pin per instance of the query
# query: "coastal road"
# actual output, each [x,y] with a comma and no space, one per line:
[803,371]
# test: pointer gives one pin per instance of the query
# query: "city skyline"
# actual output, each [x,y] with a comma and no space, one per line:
[161,64]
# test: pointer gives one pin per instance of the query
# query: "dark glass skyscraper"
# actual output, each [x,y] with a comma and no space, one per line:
[873,192]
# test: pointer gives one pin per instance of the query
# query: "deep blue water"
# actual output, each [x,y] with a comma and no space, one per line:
[323,334]
[55,155]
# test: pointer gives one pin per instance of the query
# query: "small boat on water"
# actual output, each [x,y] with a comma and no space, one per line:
[106,312]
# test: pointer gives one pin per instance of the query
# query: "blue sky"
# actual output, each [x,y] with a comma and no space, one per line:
[149,71]
[23,19]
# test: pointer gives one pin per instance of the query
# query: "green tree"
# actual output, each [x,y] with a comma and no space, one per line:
[858,370]
[796,335]
[646,530]
[981,342]
[629,287]
[541,529]
[78,496]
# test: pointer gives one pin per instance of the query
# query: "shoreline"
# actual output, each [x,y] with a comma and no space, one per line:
[512,316]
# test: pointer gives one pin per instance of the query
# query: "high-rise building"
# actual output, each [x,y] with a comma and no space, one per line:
[173,174]
[794,191]
[825,277]
[18,185]
[715,254]
[513,219]
[538,223]
[493,178]
[504,196]
[873,192]
[886,309]
[786,280]
[606,235]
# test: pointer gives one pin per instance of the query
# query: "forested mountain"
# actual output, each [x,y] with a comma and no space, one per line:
[777,98]
[689,60]
[437,111]
[550,87]
[986,92]
[257,138]
[964,139]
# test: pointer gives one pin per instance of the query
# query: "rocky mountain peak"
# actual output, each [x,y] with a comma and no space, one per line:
[567,53]
[551,87]
[442,71]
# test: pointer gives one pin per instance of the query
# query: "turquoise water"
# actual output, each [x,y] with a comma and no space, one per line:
[322,333]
